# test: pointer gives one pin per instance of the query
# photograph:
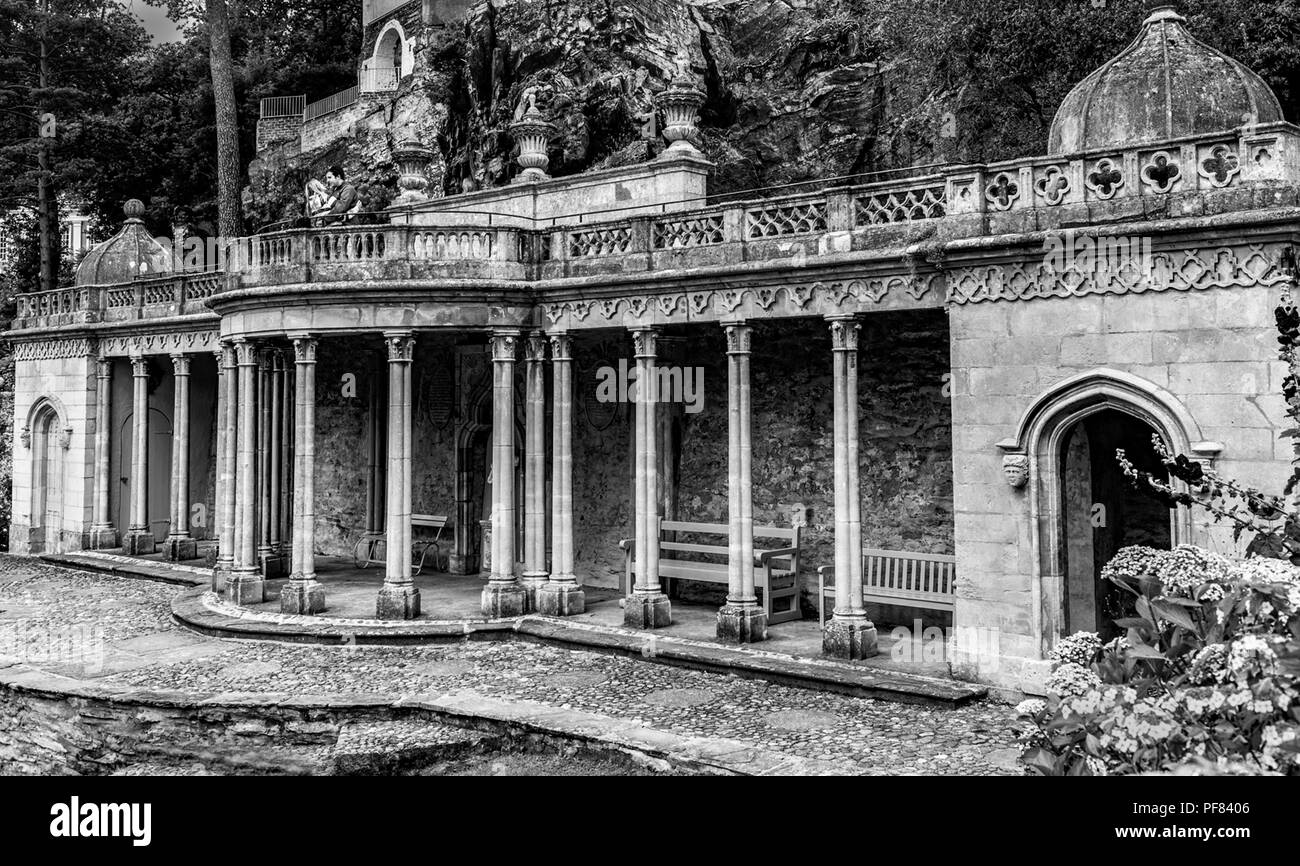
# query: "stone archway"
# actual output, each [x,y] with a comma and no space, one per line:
[48,437]
[1040,448]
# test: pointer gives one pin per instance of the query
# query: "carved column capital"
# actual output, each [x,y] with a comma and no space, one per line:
[139,366]
[738,337]
[504,345]
[245,354]
[401,346]
[180,364]
[304,348]
[535,347]
[645,342]
[844,333]
[561,347]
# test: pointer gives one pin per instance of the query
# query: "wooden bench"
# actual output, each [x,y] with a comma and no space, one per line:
[925,580]
[775,570]
[371,550]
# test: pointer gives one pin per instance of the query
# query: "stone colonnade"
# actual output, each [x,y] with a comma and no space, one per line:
[266,428]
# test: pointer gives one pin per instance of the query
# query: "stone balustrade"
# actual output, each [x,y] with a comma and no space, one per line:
[1251,168]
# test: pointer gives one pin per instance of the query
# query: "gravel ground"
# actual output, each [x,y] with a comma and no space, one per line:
[866,736]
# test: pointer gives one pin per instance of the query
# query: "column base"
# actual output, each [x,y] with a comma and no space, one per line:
[246,587]
[398,602]
[139,542]
[503,600]
[181,548]
[742,623]
[647,611]
[221,574]
[271,564]
[561,599]
[461,564]
[302,595]
[102,538]
[531,582]
[849,639]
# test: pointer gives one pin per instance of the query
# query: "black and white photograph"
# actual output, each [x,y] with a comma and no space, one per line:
[402,390]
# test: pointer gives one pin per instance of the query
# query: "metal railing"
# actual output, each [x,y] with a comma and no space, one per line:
[282,106]
[329,104]
[382,79]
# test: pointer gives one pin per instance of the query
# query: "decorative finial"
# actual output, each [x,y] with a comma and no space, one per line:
[680,103]
[533,132]
[133,209]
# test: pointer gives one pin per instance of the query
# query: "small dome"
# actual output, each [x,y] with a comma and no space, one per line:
[1166,85]
[130,253]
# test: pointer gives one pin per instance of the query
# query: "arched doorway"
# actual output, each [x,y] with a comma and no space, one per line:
[1053,424]
[474,484]
[47,480]
[1103,511]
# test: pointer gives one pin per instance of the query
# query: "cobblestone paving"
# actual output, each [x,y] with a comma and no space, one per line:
[865,736]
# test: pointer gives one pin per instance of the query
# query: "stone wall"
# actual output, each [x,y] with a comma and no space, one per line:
[1214,351]
[905,441]
[70,384]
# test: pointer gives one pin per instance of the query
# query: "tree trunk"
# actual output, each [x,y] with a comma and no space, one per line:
[47,205]
[229,219]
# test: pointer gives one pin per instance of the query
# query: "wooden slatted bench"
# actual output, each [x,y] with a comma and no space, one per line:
[370,549]
[925,580]
[776,570]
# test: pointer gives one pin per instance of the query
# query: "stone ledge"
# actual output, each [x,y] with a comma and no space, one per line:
[201,611]
[130,566]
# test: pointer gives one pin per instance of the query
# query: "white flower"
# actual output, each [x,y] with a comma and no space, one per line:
[1078,648]
[1072,679]
[1031,707]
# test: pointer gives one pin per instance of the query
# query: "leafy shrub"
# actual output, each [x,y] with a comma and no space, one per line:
[1205,677]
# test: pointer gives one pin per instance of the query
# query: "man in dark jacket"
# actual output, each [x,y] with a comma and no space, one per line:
[346,201]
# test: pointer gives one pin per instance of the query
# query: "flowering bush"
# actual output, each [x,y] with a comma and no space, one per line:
[1205,677]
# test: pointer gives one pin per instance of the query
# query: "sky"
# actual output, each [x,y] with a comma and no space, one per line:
[155,20]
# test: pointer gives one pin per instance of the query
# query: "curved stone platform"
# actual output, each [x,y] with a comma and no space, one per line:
[204,611]
[97,675]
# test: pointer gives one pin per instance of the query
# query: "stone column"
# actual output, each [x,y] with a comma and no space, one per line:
[275,454]
[265,555]
[303,594]
[246,584]
[103,535]
[503,596]
[647,607]
[562,595]
[398,598]
[374,459]
[139,537]
[741,619]
[849,634]
[179,544]
[228,443]
[535,573]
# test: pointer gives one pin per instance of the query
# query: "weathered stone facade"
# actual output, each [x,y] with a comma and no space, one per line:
[902,364]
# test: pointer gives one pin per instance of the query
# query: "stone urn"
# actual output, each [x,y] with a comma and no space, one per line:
[413,161]
[681,103]
[532,131]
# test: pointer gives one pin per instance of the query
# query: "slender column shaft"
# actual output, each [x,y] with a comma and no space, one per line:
[503,596]
[229,445]
[303,594]
[275,452]
[140,445]
[562,595]
[399,599]
[740,619]
[535,573]
[179,543]
[246,585]
[102,533]
[647,607]
[264,457]
[849,634]
[217,521]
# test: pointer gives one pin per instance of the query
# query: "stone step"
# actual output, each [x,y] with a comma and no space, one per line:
[130,566]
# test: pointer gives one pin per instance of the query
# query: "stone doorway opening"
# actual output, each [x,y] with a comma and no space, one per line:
[1103,511]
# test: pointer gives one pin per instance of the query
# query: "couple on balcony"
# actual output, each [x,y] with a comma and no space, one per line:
[333,202]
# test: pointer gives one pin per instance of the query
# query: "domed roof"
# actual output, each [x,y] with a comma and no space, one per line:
[130,253]
[1166,85]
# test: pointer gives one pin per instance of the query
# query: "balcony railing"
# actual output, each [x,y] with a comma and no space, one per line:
[379,80]
[155,297]
[281,106]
